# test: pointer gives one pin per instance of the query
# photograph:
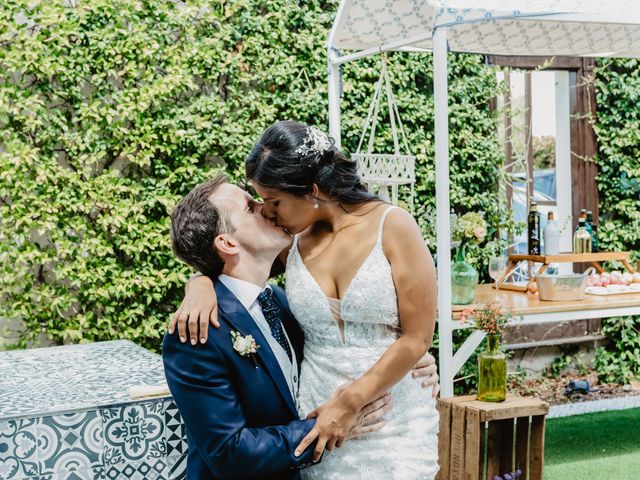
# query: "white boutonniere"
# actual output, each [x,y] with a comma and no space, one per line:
[246,346]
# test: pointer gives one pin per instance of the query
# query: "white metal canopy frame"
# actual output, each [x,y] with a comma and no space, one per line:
[595,28]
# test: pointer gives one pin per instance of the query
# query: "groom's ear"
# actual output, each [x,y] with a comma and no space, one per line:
[225,244]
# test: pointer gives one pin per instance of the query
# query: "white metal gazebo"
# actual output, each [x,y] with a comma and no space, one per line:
[593,28]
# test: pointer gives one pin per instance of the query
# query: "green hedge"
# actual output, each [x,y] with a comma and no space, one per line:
[112,110]
[618,132]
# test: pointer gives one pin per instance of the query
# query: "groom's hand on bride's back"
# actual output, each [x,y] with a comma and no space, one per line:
[426,371]
[372,417]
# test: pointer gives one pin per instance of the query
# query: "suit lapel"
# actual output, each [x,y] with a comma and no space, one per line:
[242,321]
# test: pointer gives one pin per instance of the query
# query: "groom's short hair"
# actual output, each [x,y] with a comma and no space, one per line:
[195,223]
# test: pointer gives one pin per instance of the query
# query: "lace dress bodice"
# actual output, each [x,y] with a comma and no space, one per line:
[407,447]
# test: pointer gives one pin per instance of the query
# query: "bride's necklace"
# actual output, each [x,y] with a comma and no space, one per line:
[345,224]
[347,213]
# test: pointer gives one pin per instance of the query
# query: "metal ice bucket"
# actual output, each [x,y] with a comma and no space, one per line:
[563,288]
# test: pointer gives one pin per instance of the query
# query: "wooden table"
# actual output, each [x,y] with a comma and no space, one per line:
[529,309]
[540,311]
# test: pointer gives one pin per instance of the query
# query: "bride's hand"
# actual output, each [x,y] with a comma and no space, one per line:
[200,305]
[427,370]
[334,420]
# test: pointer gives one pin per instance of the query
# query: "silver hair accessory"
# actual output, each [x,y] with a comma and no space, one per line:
[314,142]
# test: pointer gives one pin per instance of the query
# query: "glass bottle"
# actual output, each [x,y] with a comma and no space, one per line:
[594,231]
[583,214]
[464,280]
[587,225]
[492,372]
[581,239]
[533,223]
[551,236]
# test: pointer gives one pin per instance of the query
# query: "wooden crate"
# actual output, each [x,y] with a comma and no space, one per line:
[501,437]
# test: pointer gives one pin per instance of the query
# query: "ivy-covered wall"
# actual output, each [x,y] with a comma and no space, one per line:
[111,110]
[618,132]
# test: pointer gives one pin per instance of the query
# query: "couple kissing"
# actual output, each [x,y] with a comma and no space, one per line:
[339,363]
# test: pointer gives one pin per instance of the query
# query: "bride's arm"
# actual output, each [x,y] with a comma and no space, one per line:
[199,307]
[414,277]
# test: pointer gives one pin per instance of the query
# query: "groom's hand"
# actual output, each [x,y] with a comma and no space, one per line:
[427,370]
[372,418]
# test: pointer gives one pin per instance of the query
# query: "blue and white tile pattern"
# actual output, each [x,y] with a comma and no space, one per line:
[65,414]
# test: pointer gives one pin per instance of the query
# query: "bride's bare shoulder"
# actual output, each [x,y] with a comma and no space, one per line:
[398,217]
[401,230]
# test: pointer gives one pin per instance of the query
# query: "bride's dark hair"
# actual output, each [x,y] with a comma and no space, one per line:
[285,159]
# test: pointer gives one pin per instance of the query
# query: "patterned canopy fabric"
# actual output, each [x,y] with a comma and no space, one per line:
[598,28]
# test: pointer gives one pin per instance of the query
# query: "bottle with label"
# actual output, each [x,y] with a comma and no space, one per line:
[533,222]
[583,214]
[551,236]
[582,238]
[594,231]
[587,226]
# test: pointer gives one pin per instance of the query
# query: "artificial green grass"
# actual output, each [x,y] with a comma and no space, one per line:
[595,446]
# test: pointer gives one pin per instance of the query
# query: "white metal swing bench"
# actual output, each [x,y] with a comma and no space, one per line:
[383,171]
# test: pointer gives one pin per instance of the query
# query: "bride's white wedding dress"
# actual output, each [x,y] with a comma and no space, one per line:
[407,447]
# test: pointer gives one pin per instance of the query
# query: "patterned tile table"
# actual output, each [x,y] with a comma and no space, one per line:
[66,414]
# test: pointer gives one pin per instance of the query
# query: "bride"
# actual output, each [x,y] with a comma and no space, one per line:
[362,285]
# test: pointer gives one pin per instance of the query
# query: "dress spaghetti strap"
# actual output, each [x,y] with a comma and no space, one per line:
[384,216]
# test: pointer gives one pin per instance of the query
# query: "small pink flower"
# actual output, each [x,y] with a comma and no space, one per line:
[466,313]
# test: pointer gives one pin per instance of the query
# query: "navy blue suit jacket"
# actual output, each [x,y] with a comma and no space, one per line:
[240,418]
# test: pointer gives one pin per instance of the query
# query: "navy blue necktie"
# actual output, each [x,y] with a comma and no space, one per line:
[272,314]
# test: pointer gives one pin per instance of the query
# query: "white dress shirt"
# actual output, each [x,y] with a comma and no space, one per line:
[247,294]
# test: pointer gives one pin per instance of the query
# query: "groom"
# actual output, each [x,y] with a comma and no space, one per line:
[237,392]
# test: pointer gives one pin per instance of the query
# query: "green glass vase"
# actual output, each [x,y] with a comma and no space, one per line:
[492,372]
[464,280]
